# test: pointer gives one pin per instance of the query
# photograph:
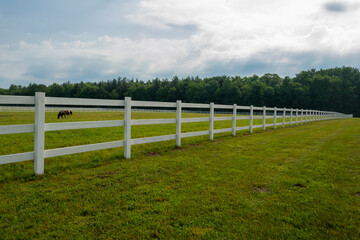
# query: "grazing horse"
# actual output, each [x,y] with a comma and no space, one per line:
[64,113]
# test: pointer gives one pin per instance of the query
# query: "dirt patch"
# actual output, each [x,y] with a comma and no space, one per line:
[152,154]
[194,145]
[261,189]
[218,140]
[106,175]
[299,185]
[357,194]
[154,236]
[177,149]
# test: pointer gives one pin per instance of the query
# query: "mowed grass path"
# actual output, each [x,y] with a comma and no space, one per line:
[294,183]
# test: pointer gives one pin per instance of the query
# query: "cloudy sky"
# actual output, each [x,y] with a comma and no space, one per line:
[44,41]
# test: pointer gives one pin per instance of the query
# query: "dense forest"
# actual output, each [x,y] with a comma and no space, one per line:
[335,89]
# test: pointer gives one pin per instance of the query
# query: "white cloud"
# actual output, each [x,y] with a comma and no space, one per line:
[235,33]
[249,26]
[51,61]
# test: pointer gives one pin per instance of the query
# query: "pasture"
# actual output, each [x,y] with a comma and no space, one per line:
[301,182]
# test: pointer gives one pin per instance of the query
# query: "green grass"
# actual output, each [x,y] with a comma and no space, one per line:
[295,183]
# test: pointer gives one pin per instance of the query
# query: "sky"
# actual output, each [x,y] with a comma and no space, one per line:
[48,41]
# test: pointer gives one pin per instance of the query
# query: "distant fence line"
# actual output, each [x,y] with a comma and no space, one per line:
[82,109]
[42,104]
[104,109]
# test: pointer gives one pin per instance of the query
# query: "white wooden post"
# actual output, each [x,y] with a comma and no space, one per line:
[39,133]
[284,116]
[311,116]
[306,116]
[314,115]
[291,116]
[302,115]
[234,120]
[264,118]
[178,123]
[251,118]
[317,115]
[211,132]
[127,128]
[296,115]
[274,117]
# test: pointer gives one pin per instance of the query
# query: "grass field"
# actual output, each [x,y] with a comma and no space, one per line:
[295,183]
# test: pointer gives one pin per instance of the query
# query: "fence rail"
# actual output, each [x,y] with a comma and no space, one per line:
[41,102]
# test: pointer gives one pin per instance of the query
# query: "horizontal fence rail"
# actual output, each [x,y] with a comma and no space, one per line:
[41,104]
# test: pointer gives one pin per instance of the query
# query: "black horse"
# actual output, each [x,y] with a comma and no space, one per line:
[64,113]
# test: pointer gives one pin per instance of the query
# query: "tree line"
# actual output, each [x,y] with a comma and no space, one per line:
[335,89]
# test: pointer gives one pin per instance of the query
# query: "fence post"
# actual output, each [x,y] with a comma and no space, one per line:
[311,115]
[296,117]
[291,116]
[274,117]
[284,115]
[264,118]
[317,115]
[211,132]
[234,120]
[251,118]
[127,128]
[178,123]
[314,115]
[39,133]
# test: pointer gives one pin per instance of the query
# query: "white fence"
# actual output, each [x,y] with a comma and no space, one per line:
[39,127]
